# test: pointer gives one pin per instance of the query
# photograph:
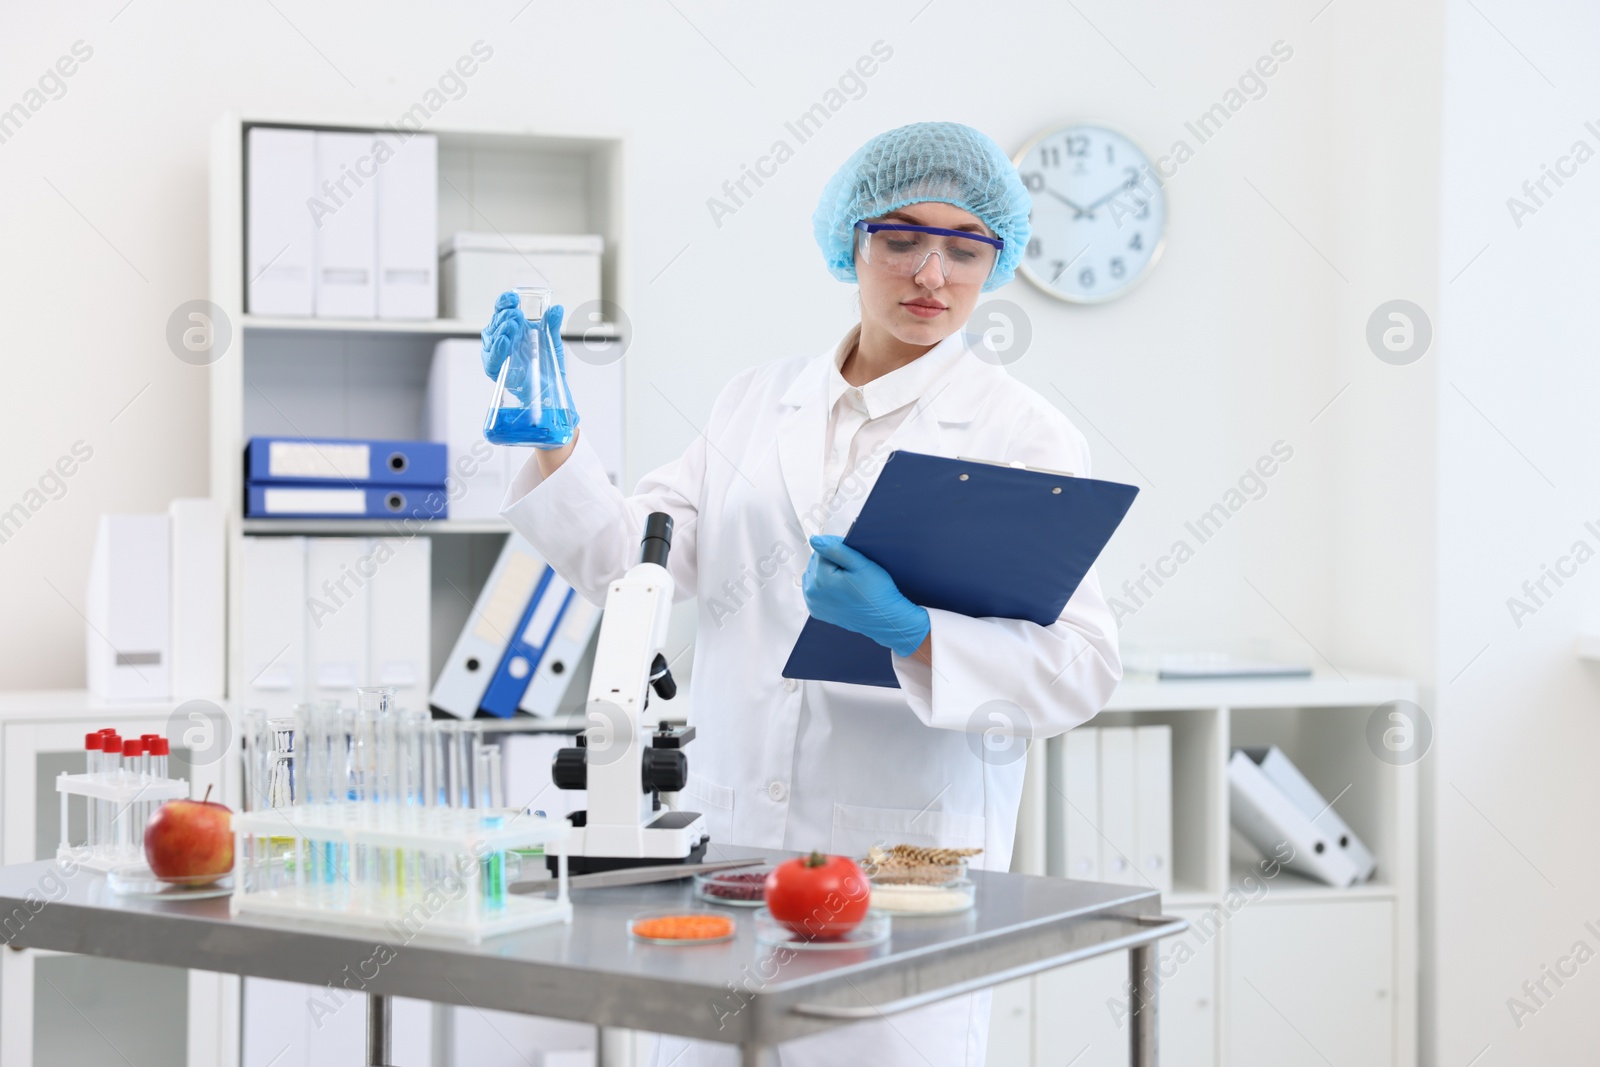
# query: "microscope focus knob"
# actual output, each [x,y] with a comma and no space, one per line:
[570,770]
[665,769]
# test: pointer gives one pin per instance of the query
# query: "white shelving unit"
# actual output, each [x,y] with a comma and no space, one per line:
[1278,970]
[368,378]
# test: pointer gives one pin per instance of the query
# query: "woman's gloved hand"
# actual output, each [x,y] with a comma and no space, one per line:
[508,329]
[845,588]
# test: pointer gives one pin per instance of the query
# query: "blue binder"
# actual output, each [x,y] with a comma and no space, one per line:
[548,604]
[281,500]
[345,461]
[983,539]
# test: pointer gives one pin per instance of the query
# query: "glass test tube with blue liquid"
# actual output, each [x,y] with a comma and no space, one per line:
[532,405]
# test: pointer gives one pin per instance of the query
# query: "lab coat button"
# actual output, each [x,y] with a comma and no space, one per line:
[797,580]
[790,684]
[777,791]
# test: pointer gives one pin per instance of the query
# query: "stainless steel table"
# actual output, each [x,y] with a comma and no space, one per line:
[739,992]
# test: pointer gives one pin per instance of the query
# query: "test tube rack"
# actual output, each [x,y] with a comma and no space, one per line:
[408,869]
[126,798]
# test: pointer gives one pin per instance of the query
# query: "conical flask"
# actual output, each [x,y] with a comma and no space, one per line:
[531,404]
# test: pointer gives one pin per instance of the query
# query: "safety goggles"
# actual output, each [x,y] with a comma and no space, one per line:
[895,248]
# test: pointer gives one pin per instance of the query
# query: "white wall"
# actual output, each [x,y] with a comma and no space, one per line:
[1518,802]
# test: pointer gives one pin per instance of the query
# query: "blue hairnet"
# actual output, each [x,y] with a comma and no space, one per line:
[943,161]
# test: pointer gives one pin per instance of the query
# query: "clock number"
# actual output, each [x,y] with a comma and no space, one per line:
[1035,250]
[1086,278]
[1060,266]
[1034,182]
[1049,156]
[1132,181]
[1117,270]
[1077,146]
[1144,209]
[1137,243]
[1110,159]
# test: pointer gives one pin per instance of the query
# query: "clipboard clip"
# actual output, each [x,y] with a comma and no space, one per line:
[1015,466]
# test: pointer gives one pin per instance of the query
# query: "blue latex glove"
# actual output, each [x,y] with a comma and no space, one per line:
[849,590]
[508,328]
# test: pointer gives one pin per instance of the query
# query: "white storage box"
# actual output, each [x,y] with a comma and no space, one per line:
[475,268]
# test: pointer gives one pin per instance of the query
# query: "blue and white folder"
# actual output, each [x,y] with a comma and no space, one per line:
[345,461]
[979,538]
[287,501]
[528,645]
[500,610]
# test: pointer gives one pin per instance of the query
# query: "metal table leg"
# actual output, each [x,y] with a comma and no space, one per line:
[379,1019]
[613,1047]
[1143,1042]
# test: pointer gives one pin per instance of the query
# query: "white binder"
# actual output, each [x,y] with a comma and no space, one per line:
[1118,806]
[398,635]
[1267,818]
[459,394]
[407,229]
[199,598]
[272,642]
[126,606]
[1079,800]
[1282,772]
[345,217]
[1152,747]
[489,629]
[594,374]
[556,667]
[280,233]
[338,573]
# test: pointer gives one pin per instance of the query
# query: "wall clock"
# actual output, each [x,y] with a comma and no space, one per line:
[1099,214]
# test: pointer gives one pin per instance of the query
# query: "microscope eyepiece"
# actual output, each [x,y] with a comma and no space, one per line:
[657,538]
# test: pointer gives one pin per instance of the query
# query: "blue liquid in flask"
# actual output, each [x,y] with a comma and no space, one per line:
[532,405]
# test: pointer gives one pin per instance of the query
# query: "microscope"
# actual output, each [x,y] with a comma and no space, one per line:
[624,770]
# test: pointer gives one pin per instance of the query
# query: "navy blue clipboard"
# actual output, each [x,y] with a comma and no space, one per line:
[981,539]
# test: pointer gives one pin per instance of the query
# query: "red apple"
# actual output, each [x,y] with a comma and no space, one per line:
[190,839]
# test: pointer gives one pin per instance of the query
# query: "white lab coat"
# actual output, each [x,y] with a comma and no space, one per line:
[783,764]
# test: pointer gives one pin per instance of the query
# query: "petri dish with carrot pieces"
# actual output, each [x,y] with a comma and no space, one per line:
[686,927]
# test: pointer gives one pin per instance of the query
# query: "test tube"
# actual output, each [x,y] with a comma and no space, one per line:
[489,796]
[160,749]
[132,826]
[375,722]
[93,753]
[252,736]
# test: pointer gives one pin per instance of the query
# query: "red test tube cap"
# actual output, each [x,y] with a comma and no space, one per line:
[91,742]
[132,747]
[160,747]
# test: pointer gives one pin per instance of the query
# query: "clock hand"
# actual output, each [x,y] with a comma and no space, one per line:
[1079,212]
[1112,194]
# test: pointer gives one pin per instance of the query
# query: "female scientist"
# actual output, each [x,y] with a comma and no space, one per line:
[923,219]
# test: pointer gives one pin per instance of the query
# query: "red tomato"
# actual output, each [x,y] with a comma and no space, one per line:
[818,896]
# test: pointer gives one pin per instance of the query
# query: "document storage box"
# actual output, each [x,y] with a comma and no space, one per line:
[475,268]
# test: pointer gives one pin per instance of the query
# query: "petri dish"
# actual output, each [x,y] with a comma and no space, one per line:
[923,898]
[138,880]
[699,926]
[741,887]
[874,930]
